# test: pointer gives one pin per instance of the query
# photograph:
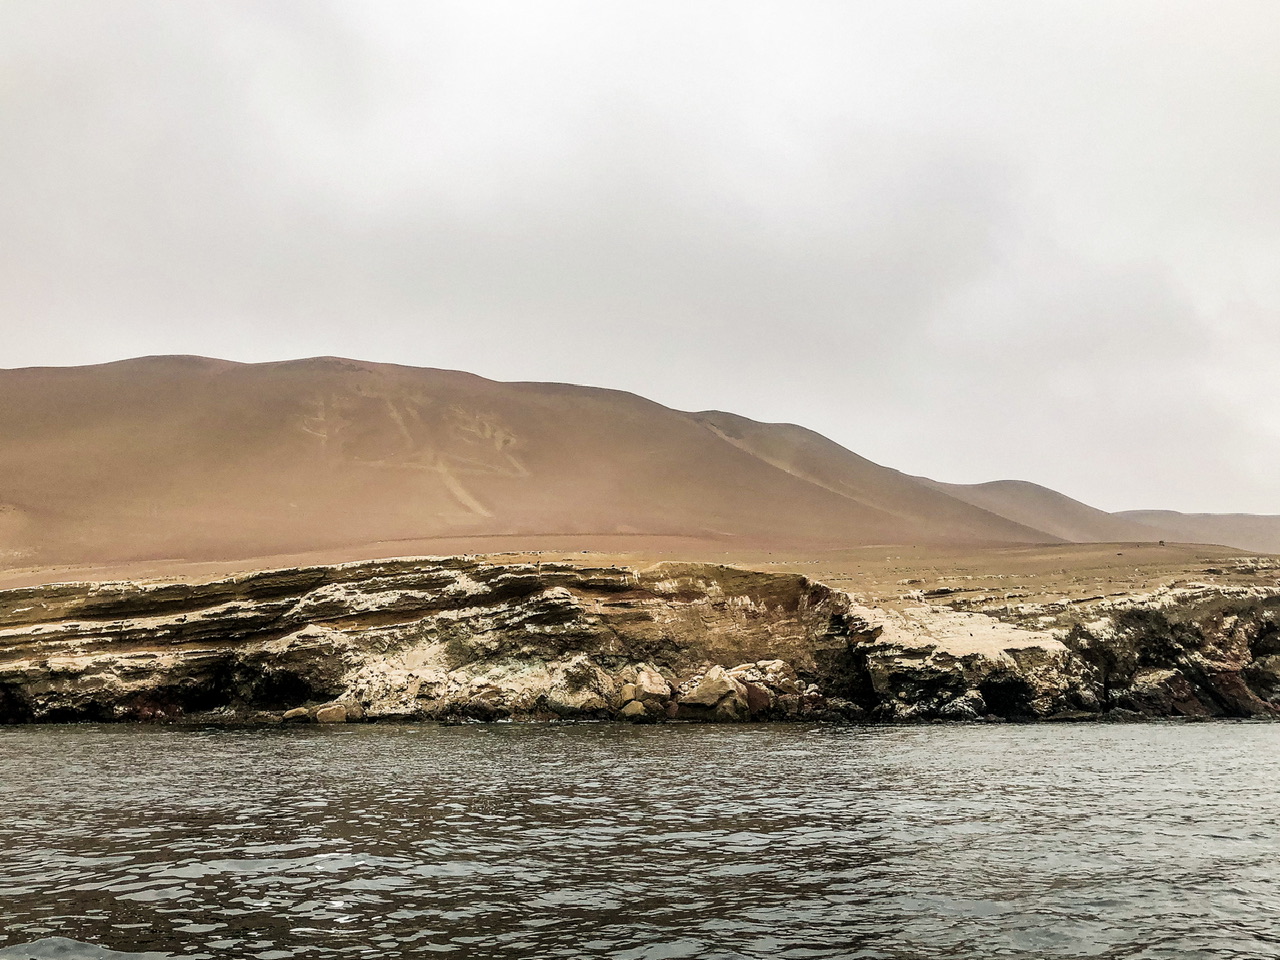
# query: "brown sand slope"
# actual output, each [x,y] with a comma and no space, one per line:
[810,456]
[1244,530]
[207,459]
[1053,512]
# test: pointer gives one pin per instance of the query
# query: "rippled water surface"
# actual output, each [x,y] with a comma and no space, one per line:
[677,841]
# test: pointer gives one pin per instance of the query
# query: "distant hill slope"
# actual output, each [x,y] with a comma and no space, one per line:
[1035,506]
[810,456]
[207,459]
[1053,512]
[1244,530]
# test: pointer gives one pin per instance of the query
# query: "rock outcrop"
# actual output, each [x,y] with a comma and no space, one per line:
[443,638]
[463,638]
[1208,654]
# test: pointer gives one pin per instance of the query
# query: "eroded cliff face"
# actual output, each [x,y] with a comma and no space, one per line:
[445,637]
[1193,653]
[1189,647]
[465,638]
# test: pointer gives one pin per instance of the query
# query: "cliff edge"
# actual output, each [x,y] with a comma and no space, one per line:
[453,638]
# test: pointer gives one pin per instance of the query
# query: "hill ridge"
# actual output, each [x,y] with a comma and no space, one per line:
[204,458]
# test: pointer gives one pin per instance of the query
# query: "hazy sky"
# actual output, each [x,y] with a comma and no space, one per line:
[970,240]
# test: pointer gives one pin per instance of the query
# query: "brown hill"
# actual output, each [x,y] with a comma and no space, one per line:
[1044,509]
[1244,530]
[1052,512]
[207,459]
[810,456]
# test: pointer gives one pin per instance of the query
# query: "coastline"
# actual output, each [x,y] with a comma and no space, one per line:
[463,638]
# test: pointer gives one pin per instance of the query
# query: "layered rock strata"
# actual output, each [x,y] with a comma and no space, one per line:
[1204,654]
[1188,648]
[464,638]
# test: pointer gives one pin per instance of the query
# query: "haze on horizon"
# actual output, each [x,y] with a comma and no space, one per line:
[967,240]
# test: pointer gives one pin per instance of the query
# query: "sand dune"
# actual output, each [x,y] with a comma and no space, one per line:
[208,460]
[196,458]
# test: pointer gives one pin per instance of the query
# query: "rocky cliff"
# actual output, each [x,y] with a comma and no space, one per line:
[465,638]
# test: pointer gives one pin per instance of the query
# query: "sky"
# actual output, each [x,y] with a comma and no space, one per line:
[969,240]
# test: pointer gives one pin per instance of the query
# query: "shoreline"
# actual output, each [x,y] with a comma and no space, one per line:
[456,639]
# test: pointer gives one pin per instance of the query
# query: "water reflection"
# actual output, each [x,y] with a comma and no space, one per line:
[639,843]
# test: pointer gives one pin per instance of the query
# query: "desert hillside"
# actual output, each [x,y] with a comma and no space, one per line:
[1052,512]
[195,459]
[1245,530]
[1075,522]
[207,459]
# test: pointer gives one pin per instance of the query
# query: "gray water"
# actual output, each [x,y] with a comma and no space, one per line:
[577,841]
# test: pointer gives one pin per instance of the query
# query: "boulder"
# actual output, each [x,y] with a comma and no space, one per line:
[968,706]
[634,710]
[847,710]
[789,704]
[651,686]
[759,699]
[778,676]
[731,709]
[715,685]
[297,715]
[715,696]
[331,713]
[487,705]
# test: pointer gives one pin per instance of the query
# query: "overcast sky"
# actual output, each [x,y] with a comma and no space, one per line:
[1035,240]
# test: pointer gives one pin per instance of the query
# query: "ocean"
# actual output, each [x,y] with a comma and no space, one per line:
[1155,840]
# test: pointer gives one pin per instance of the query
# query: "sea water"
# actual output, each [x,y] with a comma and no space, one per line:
[638,843]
